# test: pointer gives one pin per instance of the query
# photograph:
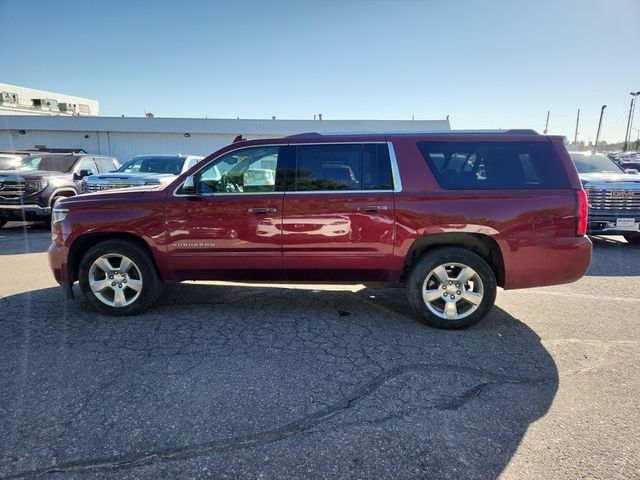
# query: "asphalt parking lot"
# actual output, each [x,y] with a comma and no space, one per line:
[223,381]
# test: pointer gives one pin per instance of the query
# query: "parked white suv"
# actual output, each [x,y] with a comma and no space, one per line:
[142,170]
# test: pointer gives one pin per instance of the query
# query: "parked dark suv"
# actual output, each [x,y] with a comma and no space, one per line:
[30,191]
[450,215]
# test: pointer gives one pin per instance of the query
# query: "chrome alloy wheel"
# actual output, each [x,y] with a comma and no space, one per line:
[115,280]
[452,291]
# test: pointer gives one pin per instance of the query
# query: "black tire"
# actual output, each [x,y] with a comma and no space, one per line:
[443,256]
[632,238]
[152,284]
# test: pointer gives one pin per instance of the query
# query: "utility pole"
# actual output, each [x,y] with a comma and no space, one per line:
[546,126]
[627,134]
[575,138]
[595,147]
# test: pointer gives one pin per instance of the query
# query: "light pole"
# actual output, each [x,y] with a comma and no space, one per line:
[575,138]
[595,147]
[627,134]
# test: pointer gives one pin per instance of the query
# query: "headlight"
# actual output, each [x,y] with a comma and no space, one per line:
[36,185]
[58,214]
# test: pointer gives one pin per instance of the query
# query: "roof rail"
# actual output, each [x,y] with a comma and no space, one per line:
[514,131]
[522,131]
[305,134]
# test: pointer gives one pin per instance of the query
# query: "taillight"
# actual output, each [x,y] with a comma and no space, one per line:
[583,210]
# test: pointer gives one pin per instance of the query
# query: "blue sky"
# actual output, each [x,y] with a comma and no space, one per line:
[487,64]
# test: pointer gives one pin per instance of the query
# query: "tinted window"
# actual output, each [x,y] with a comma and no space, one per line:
[376,168]
[243,171]
[494,165]
[151,164]
[329,167]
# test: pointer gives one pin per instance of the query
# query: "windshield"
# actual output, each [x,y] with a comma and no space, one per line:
[50,164]
[9,162]
[596,163]
[172,165]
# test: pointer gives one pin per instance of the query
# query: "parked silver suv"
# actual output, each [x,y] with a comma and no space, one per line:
[614,196]
[142,170]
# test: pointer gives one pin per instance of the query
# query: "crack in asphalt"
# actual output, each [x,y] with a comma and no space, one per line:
[297,427]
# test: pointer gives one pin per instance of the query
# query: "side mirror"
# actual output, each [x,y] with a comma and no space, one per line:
[84,173]
[189,185]
[633,171]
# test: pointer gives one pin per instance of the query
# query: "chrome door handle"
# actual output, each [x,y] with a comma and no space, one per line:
[372,208]
[262,210]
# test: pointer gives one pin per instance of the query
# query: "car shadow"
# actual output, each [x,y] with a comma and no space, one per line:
[267,381]
[19,238]
[613,256]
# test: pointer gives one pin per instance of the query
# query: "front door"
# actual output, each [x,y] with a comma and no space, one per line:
[231,227]
[338,219]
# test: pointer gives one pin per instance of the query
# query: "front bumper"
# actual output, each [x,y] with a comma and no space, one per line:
[24,211]
[59,269]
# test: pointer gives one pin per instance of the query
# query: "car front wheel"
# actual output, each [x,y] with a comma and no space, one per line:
[451,288]
[119,278]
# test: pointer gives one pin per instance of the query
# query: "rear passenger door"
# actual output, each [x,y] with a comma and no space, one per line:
[338,213]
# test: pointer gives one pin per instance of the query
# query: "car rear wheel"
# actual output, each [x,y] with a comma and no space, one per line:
[451,288]
[633,238]
[119,278]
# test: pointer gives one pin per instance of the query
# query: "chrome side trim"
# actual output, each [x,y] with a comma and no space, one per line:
[395,170]
[332,192]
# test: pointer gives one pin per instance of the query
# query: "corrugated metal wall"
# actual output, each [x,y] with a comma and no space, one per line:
[122,145]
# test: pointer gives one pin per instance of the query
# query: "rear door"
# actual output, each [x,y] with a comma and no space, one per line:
[230,229]
[338,218]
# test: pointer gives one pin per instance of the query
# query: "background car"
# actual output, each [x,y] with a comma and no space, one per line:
[142,170]
[30,191]
[614,196]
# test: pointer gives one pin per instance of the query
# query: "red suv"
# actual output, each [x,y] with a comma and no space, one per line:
[450,215]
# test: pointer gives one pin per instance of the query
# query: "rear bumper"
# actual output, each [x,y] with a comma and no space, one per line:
[20,211]
[551,261]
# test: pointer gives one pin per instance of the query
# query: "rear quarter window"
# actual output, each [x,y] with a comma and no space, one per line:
[495,165]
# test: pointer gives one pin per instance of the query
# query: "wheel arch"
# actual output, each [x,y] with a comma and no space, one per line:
[483,245]
[62,192]
[83,243]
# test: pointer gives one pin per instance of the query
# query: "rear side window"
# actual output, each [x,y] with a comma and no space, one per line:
[343,167]
[495,165]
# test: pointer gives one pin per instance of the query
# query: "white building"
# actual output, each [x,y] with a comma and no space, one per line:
[15,100]
[124,137]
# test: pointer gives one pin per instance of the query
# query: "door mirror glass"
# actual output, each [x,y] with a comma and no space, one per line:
[189,185]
